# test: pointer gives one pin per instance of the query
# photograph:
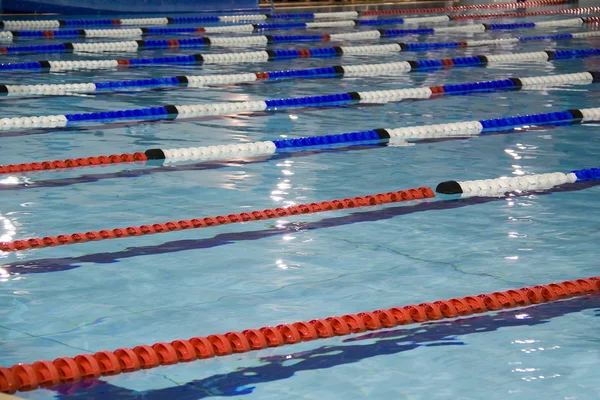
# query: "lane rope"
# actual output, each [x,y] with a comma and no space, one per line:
[518,5]
[45,373]
[393,136]
[520,14]
[179,112]
[67,370]
[244,28]
[490,187]
[255,56]
[250,28]
[19,24]
[197,223]
[525,183]
[336,71]
[237,41]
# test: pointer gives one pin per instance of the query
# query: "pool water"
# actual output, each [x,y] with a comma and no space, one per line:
[69,300]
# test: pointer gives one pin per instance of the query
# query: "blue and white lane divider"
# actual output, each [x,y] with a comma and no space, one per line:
[393,136]
[178,112]
[236,41]
[527,183]
[336,71]
[266,55]
[249,28]
[57,23]
[239,28]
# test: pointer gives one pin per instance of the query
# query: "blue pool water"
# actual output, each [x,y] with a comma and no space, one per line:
[84,298]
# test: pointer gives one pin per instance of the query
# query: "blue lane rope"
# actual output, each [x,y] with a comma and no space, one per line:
[228,41]
[380,135]
[336,71]
[245,28]
[267,55]
[149,31]
[173,112]
[367,138]
[8,24]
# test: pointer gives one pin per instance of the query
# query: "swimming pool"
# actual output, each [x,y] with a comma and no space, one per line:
[88,297]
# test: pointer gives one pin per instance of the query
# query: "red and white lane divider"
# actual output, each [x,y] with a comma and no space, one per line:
[45,373]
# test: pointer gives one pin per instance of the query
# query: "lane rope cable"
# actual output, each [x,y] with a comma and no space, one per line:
[394,136]
[237,41]
[336,71]
[45,373]
[182,112]
[18,24]
[260,56]
[250,28]
[489,187]
[197,223]
[244,28]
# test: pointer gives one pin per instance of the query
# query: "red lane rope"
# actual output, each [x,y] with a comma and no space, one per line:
[463,8]
[73,163]
[575,11]
[91,366]
[196,223]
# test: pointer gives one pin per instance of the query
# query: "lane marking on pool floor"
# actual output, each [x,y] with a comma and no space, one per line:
[336,71]
[265,55]
[189,111]
[45,373]
[392,136]
[19,24]
[253,40]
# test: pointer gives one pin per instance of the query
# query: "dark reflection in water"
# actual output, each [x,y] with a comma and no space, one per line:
[391,342]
